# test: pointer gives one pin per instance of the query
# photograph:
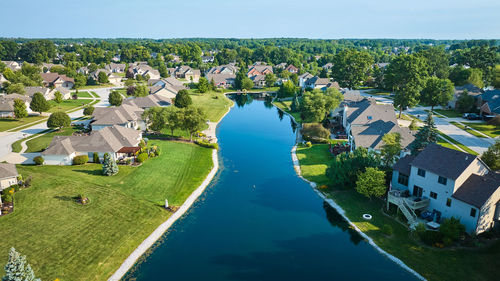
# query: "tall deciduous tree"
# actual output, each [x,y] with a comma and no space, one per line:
[406,75]
[426,135]
[20,110]
[102,78]
[492,156]
[39,103]
[194,120]
[391,148]
[115,98]
[438,61]
[371,183]
[58,120]
[465,102]
[350,67]
[270,79]
[437,92]
[316,105]
[246,84]
[287,89]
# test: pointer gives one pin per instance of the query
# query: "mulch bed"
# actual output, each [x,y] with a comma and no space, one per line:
[7,208]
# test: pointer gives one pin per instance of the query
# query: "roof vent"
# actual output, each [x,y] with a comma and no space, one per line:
[466,157]
[369,117]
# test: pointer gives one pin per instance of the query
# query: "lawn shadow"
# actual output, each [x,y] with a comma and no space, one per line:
[65,198]
[90,172]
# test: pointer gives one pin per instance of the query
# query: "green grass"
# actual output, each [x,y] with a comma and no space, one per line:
[468,130]
[378,92]
[65,240]
[285,106]
[40,143]
[461,264]
[444,143]
[84,95]
[463,147]
[96,86]
[450,113]
[67,105]
[10,123]
[489,130]
[214,104]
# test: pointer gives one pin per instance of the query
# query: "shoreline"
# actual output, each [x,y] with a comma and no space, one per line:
[338,208]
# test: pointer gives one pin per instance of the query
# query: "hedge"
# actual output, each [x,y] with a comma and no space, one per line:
[80,160]
[142,157]
[207,144]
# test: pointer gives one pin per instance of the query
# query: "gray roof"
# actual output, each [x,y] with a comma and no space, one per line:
[116,115]
[30,91]
[220,78]
[492,97]
[8,170]
[446,162]
[404,164]
[149,101]
[477,189]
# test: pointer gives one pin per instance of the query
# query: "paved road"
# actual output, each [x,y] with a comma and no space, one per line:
[8,138]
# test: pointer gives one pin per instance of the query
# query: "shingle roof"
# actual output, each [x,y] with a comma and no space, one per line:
[60,145]
[446,162]
[149,101]
[476,190]
[117,115]
[403,165]
[8,170]
[493,99]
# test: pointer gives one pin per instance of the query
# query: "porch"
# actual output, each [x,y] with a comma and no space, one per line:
[408,204]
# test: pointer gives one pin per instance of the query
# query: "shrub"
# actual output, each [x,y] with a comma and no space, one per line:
[142,157]
[152,154]
[420,228]
[157,151]
[387,229]
[451,229]
[413,125]
[80,159]
[7,197]
[88,110]
[27,181]
[15,187]
[39,160]
[95,157]
[207,144]
[309,144]
[315,132]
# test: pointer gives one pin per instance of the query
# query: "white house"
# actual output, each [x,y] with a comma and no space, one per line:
[8,176]
[452,183]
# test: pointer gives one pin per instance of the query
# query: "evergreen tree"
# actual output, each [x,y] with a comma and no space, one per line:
[295,104]
[109,166]
[17,269]
[426,135]
[39,103]
[20,109]
[58,97]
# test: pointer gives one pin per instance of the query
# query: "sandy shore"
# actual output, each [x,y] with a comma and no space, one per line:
[341,211]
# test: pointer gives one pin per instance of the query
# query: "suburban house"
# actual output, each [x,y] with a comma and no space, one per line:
[46,67]
[366,122]
[8,176]
[281,65]
[489,102]
[119,142]
[292,69]
[471,89]
[171,82]
[186,72]
[47,93]
[141,68]
[221,80]
[116,67]
[66,93]
[223,69]
[7,104]
[320,83]
[447,183]
[125,115]
[148,101]
[207,59]
[13,65]
[164,90]
[303,79]
[259,81]
[259,69]
[2,80]
[55,80]
[83,70]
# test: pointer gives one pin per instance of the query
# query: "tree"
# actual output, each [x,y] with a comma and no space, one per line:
[426,135]
[203,85]
[182,99]
[346,167]
[88,110]
[270,79]
[20,109]
[240,76]
[391,148]
[465,102]
[406,75]
[371,183]
[156,118]
[246,84]
[17,88]
[39,103]
[438,61]
[491,157]
[102,78]
[287,89]
[496,77]
[18,269]
[115,98]
[58,120]
[58,97]
[141,91]
[175,118]
[109,166]
[295,104]
[437,92]
[194,120]
[316,105]
[350,67]
[475,77]
[323,73]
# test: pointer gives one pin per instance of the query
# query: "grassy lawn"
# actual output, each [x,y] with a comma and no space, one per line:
[444,143]
[65,240]
[450,113]
[468,130]
[40,143]
[378,92]
[489,130]
[9,123]
[460,264]
[285,106]
[84,95]
[214,104]
[465,148]
[96,86]
[67,105]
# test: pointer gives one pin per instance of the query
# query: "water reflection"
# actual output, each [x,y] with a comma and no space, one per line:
[336,220]
[242,99]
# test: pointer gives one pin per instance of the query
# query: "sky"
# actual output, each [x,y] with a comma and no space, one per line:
[324,19]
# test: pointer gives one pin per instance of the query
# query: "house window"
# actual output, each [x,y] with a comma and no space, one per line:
[421,172]
[434,195]
[448,202]
[403,179]
[442,180]
[473,212]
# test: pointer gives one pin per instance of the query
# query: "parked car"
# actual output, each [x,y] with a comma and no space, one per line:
[472,116]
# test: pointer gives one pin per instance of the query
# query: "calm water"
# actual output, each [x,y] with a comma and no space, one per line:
[259,221]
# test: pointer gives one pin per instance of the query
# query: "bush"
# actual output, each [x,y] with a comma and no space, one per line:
[95,157]
[315,132]
[207,144]
[7,197]
[15,187]
[88,110]
[39,160]
[142,157]
[309,144]
[80,159]
[451,229]
[387,229]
